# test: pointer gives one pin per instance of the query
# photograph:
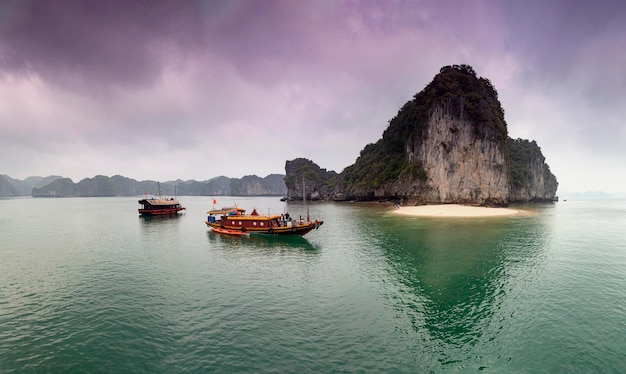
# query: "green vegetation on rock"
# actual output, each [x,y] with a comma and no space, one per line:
[523,154]
[457,89]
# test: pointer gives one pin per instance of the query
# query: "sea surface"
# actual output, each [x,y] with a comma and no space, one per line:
[87,285]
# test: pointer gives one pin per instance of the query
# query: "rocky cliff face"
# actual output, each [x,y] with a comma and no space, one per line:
[460,166]
[447,145]
[16,187]
[541,185]
[251,185]
[531,178]
[306,179]
[62,187]
[6,188]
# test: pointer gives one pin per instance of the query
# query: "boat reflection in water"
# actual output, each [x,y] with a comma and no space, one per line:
[159,220]
[261,241]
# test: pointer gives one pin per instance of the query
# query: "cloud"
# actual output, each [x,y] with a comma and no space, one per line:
[92,45]
[195,89]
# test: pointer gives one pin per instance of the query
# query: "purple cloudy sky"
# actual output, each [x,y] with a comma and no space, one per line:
[196,89]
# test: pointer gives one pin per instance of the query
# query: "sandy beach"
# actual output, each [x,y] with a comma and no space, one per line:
[454,210]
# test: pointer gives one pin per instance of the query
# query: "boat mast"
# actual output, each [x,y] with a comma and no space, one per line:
[308,218]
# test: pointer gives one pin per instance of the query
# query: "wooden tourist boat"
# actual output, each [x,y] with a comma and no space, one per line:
[159,207]
[236,219]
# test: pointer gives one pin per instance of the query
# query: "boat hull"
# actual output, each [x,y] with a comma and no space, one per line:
[300,229]
[160,212]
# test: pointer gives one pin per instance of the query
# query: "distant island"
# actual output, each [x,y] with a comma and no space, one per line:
[448,145]
[101,186]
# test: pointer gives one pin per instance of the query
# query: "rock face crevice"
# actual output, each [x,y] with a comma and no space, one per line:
[462,167]
[448,145]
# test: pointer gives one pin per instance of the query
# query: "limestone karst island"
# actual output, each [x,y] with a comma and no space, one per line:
[447,145]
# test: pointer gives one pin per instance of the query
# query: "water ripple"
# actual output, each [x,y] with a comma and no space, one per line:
[104,291]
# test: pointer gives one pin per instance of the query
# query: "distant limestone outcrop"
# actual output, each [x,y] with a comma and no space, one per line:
[102,186]
[449,144]
[305,178]
[7,188]
[15,187]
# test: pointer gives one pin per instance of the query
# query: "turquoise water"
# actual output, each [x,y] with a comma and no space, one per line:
[86,285]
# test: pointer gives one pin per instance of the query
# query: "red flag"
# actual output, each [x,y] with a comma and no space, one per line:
[214,202]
